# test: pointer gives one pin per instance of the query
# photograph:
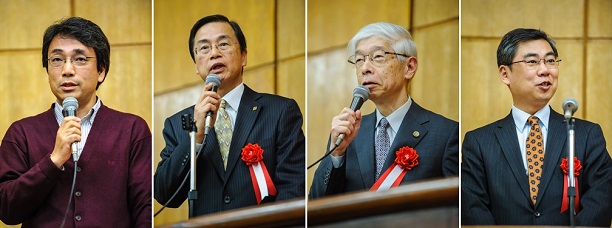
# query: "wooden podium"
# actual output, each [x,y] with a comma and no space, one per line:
[431,203]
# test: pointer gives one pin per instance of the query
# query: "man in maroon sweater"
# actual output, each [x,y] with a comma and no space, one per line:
[113,184]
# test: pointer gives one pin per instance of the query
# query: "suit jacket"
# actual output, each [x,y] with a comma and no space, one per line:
[494,183]
[273,122]
[437,145]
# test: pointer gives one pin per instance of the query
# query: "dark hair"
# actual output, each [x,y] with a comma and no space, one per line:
[86,32]
[509,44]
[216,18]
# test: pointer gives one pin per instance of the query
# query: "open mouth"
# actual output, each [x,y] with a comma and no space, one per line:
[68,85]
[217,68]
[545,85]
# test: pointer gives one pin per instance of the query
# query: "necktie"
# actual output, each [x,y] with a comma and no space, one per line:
[382,145]
[535,156]
[223,128]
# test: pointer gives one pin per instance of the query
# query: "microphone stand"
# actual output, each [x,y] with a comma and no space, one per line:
[571,188]
[189,125]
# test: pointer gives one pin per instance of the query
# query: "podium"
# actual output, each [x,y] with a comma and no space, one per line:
[433,203]
[279,214]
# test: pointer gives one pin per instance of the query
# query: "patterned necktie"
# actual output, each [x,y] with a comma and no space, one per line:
[535,156]
[223,128]
[382,146]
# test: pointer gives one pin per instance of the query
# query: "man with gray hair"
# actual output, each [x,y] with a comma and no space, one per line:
[400,136]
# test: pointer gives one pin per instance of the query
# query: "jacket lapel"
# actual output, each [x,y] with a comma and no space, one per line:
[555,147]
[506,135]
[248,111]
[366,152]
[414,121]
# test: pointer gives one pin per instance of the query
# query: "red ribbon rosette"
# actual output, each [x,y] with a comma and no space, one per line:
[565,169]
[252,155]
[406,159]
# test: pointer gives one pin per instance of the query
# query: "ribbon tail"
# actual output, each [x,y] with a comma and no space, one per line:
[381,179]
[271,188]
[564,200]
[399,179]
[255,185]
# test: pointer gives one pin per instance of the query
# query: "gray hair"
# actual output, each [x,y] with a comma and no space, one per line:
[397,36]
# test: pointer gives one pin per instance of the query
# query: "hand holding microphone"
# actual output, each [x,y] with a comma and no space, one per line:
[348,122]
[68,134]
[206,106]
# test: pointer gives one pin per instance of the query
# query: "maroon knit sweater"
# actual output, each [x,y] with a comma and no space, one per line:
[113,185]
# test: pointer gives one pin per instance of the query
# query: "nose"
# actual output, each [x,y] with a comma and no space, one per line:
[214,52]
[543,69]
[68,69]
[366,67]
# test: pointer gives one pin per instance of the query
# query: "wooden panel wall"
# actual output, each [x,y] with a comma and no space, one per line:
[24,90]
[583,32]
[434,26]
[274,30]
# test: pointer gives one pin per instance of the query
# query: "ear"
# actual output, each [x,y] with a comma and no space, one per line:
[101,75]
[410,67]
[196,69]
[244,58]
[504,72]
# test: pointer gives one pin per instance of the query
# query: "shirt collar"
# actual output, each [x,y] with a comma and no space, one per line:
[396,117]
[91,115]
[232,98]
[520,117]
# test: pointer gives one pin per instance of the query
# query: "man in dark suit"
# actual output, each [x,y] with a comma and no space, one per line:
[274,123]
[511,170]
[385,59]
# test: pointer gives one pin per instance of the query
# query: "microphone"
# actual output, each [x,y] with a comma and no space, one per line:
[360,95]
[216,81]
[570,105]
[70,106]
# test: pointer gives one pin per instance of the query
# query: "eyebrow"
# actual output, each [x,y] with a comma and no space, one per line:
[531,54]
[76,51]
[373,48]
[221,37]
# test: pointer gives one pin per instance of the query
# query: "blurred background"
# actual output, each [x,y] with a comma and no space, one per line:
[24,87]
[582,30]
[274,30]
[434,25]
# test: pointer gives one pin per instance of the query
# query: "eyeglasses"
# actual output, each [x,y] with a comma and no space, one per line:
[377,58]
[223,46]
[58,62]
[550,63]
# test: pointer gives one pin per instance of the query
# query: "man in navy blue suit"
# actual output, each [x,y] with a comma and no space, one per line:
[242,116]
[511,170]
[385,60]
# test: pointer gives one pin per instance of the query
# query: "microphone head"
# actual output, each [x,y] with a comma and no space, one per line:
[570,105]
[361,91]
[214,79]
[70,103]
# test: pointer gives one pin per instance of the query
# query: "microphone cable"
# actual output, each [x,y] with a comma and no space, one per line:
[71,194]
[182,183]
[324,156]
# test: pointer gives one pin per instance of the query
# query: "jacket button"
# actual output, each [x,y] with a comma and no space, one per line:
[78,193]
[227,199]
[537,214]
[78,218]
[325,181]
[78,169]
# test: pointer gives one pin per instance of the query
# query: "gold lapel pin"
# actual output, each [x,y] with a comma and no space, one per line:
[415,134]
[254,108]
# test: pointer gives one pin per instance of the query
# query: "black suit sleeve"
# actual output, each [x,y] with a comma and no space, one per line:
[450,162]
[290,154]
[174,164]
[596,192]
[475,200]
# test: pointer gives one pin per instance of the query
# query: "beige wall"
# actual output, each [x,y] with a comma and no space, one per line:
[435,28]
[274,32]
[583,33]
[24,88]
